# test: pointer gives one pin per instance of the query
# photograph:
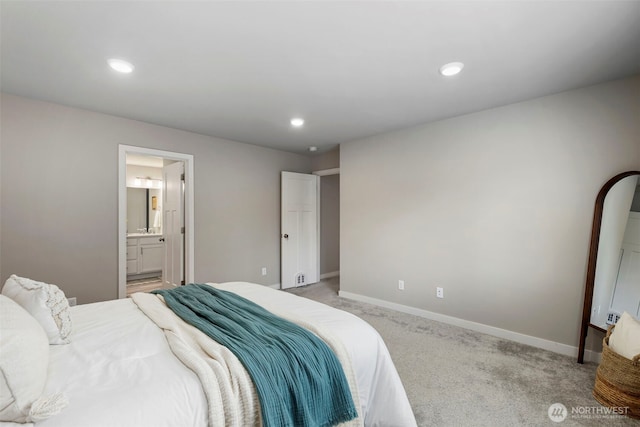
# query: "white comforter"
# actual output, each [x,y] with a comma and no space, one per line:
[119,370]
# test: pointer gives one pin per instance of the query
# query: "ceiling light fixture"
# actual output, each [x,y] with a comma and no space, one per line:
[313,148]
[121,65]
[297,122]
[451,69]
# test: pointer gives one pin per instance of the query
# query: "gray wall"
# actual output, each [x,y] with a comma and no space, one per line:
[59,198]
[327,160]
[496,207]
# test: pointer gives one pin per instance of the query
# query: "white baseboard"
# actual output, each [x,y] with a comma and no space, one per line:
[556,347]
[329,275]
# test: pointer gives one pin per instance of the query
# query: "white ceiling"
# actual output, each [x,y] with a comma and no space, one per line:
[240,70]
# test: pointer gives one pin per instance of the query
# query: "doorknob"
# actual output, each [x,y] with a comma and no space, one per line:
[286,236]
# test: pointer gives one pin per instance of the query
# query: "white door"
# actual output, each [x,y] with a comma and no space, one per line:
[626,295]
[173,224]
[300,255]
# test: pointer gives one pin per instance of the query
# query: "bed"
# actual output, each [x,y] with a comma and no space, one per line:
[118,368]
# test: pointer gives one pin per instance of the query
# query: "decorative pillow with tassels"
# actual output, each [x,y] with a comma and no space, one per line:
[45,302]
[625,337]
[24,360]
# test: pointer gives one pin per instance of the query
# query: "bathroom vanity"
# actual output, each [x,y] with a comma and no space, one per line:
[144,255]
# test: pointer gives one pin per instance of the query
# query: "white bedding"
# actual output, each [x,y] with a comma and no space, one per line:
[119,370]
[382,396]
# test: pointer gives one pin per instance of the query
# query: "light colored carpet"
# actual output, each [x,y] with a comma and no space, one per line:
[457,377]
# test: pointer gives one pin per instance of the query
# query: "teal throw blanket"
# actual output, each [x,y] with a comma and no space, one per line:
[299,380]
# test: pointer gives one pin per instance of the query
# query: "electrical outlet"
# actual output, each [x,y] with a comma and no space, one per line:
[439,292]
[401,285]
[264,271]
[72,301]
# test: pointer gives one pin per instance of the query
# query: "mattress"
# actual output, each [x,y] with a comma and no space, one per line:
[118,369]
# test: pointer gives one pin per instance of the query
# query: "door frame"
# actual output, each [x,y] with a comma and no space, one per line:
[189,246]
[321,173]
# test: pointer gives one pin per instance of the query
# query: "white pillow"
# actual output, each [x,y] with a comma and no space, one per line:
[46,303]
[24,359]
[625,337]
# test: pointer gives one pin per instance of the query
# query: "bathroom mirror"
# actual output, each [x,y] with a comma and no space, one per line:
[143,210]
[613,269]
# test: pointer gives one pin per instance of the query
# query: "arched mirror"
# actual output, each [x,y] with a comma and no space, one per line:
[613,270]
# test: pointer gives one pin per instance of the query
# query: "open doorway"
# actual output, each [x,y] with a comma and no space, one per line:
[330,227]
[145,230]
[155,219]
[329,224]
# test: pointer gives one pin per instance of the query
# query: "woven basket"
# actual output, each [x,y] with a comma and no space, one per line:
[618,380]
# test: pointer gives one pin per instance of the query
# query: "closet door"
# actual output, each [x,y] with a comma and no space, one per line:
[300,254]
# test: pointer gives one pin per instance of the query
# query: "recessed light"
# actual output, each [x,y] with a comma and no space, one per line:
[313,148]
[121,65]
[297,122]
[451,69]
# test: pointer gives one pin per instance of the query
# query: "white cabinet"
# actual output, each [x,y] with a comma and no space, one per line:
[150,256]
[144,254]
[132,256]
